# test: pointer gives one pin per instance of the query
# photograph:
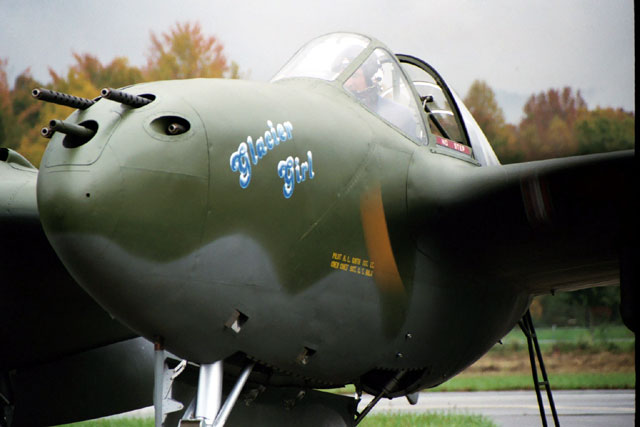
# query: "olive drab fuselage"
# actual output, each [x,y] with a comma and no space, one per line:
[172,235]
[289,224]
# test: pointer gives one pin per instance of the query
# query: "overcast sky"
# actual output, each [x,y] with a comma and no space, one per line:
[519,47]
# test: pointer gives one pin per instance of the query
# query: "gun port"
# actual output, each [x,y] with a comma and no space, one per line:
[76,139]
[170,125]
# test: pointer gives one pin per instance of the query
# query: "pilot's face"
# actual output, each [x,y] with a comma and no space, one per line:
[357,82]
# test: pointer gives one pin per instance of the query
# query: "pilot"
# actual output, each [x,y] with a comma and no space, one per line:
[364,83]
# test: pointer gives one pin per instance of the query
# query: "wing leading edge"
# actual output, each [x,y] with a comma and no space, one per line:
[541,226]
[44,314]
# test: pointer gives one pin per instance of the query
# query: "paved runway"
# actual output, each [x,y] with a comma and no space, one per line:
[520,408]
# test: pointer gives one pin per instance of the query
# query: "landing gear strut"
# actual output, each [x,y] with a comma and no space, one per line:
[208,411]
[526,324]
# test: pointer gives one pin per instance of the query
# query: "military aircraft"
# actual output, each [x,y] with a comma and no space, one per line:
[345,223]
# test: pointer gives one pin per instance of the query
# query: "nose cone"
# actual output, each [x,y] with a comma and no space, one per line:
[134,194]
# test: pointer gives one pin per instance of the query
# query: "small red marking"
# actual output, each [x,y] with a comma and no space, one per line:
[453,145]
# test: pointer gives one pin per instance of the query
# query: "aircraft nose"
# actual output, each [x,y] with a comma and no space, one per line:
[133,194]
[76,201]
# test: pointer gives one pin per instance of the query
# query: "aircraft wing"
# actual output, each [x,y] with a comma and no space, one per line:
[559,224]
[51,331]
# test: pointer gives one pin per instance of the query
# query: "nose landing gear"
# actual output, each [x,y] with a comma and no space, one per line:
[207,409]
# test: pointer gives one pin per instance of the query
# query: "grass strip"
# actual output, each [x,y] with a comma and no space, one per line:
[115,422]
[573,381]
[609,338]
[394,419]
[382,419]
[588,347]
[570,381]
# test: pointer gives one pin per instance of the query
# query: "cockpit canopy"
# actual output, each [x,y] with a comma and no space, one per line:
[324,57]
[412,97]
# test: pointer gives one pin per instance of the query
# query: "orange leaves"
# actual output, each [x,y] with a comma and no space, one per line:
[184,52]
[547,129]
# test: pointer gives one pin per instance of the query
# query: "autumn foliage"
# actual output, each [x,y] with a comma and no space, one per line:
[556,123]
[185,53]
[182,52]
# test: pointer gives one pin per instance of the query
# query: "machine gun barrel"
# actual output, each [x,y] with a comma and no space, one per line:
[46,132]
[62,98]
[131,100]
[71,129]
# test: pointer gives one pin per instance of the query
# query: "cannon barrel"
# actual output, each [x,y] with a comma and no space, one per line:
[131,100]
[176,129]
[71,129]
[62,98]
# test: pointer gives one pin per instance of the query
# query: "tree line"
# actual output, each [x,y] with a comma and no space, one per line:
[182,52]
[556,123]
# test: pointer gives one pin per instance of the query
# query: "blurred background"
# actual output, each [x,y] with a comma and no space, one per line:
[542,79]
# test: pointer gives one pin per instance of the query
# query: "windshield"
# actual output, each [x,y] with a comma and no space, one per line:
[325,57]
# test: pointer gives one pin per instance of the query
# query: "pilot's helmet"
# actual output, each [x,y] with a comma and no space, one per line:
[370,70]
